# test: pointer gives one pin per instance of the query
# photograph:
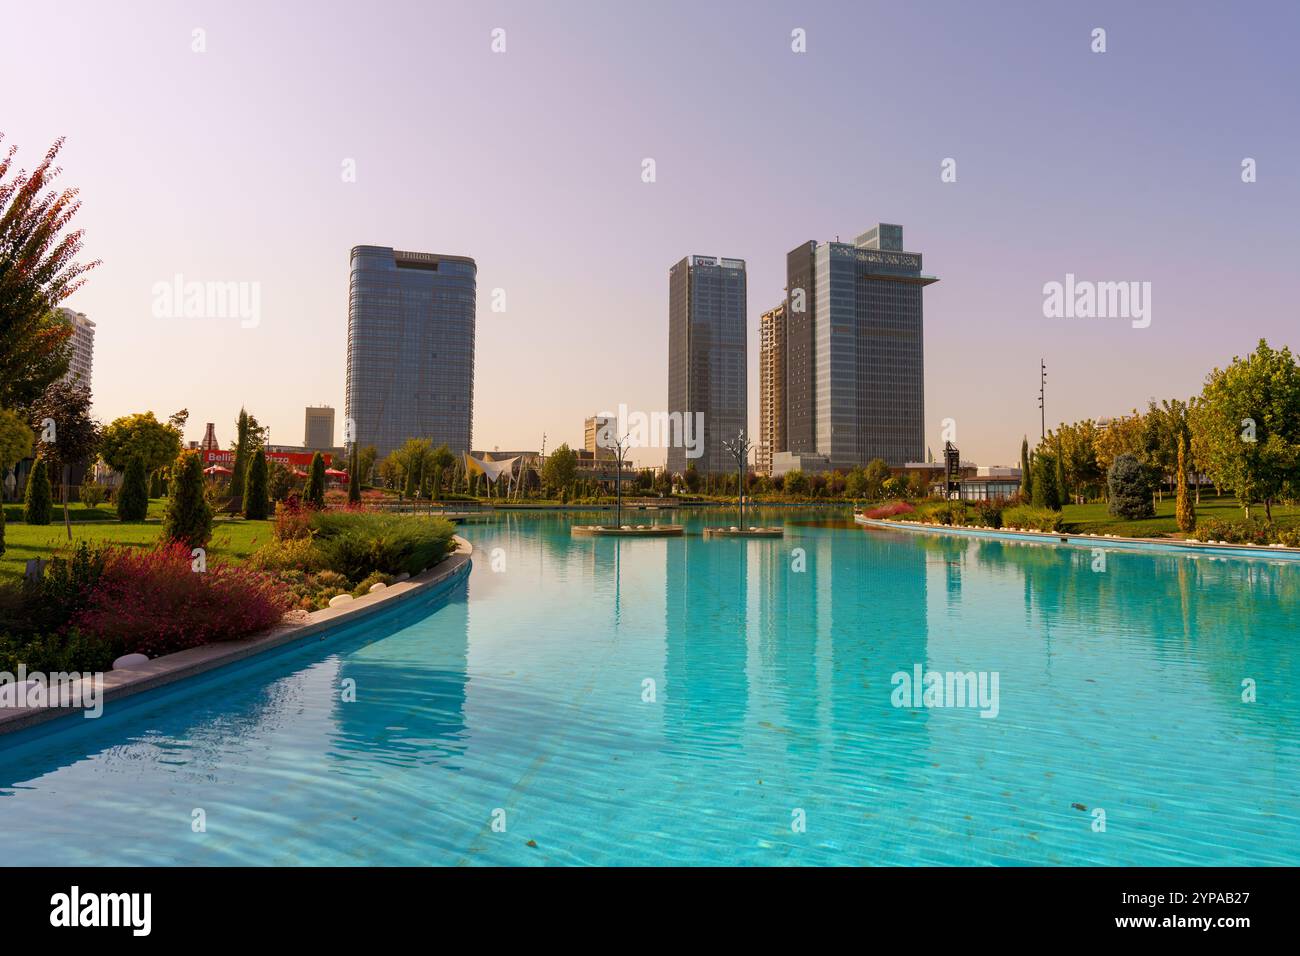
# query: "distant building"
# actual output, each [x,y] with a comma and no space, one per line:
[592,429]
[210,442]
[318,431]
[784,462]
[411,318]
[707,363]
[855,370]
[82,346]
[771,388]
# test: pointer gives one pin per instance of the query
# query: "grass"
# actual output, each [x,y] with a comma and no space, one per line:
[233,539]
[1095,519]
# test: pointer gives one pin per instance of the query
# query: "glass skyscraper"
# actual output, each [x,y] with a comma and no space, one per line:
[707,356]
[410,348]
[855,369]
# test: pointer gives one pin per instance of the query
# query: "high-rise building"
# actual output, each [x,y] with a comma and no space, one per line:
[318,429]
[82,346]
[855,370]
[591,430]
[771,388]
[410,348]
[707,370]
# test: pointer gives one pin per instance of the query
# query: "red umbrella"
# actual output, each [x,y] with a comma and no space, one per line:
[217,470]
[335,473]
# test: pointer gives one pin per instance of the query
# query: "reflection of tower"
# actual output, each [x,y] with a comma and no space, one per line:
[209,442]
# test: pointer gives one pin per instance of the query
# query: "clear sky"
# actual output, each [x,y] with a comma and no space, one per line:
[227,165]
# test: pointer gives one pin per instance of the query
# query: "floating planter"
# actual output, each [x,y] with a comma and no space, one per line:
[628,531]
[338,599]
[750,532]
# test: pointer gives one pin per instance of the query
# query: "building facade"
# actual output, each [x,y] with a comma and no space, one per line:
[318,427]
[591,435]
[771,388]
[707,358]
[81,346]
[411,320]
[855,362]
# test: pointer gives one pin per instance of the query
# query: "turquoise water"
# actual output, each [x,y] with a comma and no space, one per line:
[520,694]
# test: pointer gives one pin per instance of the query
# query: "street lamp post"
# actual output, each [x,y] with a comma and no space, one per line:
[738,448]
[621,447]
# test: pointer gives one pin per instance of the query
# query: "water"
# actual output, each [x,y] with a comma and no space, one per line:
[520,695]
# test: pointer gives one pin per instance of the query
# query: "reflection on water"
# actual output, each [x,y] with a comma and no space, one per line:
[675,700]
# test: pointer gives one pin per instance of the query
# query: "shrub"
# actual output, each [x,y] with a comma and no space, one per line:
[152,602]
[156,484]
[2,528]
[1244,531]
[255,488]
[1027,516]
[1046,492]
[188,518]
[291,520]
[357,543]
[65,587]
[1130,486]
[93,495]
[373,578]
[946,513]
[65,650]
[287,555]
[133,497]
[38,502]
[989,512]
[890,510]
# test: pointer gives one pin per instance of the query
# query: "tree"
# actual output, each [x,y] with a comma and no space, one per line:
[1046,493]
[67,436]
[314,496]
[366,463]
[1129,488]
[692,478]
[354,479]
[1184,510]
[796,483]
[139,436]
[37,271]
[1062,488]
[855,483]
[188,517]
[16,440]
[560,469]
[876,475]
[242,442]
[37,502]
[1026,479]
[133,496]
[442,459]
[255,488]
[1246,427]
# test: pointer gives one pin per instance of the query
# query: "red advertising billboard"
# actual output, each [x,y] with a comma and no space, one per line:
[295,459]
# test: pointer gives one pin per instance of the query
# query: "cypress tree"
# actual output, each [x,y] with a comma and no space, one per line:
[37,502]
[188,517]
[133,496]
[1026,476]
[314,496]
[1045,492]
[354,479]
[156,484]
[1184,509]
[255,488]
[241,456]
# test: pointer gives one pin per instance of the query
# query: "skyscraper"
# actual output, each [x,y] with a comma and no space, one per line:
[771,388]
[855,371]
[707,368]
[81,346]
[318,428]
[410,348]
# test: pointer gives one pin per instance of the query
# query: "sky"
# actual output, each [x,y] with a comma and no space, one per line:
[230,165]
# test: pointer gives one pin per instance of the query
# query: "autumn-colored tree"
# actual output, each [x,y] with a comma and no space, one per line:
[139,436]
[66,434]
[37,271]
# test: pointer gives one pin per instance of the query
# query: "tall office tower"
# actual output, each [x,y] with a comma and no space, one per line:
[318,429]
[591,432]
[771,388]
[82,351]
[707,369]
[855,378]
[410,348]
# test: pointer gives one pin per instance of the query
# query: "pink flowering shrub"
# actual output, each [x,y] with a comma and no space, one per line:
[889,510]
[153,602]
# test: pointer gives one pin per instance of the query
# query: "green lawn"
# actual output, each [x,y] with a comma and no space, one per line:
[1095,519]
[232,538]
